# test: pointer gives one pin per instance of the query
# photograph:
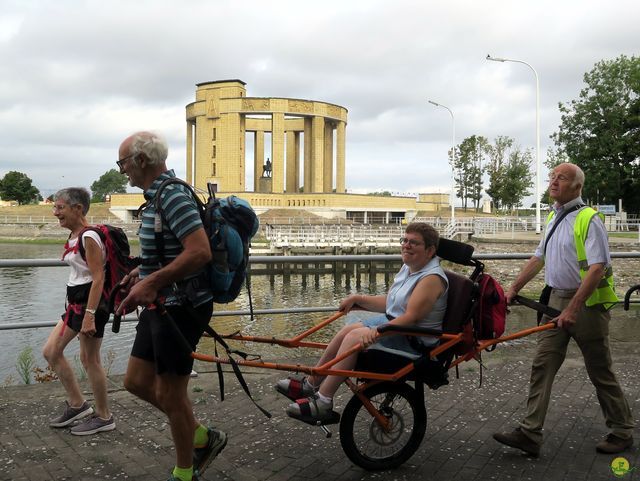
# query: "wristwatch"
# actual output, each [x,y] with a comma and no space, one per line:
[91,311]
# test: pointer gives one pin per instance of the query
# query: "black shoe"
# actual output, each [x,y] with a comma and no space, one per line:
[517,439]
[202,457]
[613,444]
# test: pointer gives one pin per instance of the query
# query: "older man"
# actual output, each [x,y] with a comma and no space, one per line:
[158,370]
[575,253]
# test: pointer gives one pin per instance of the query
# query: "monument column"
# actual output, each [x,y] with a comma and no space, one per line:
[327,169]
[277,153]
[340,164]
[190,179]
[308,122]
[258,158]
[293,159]
[317,153]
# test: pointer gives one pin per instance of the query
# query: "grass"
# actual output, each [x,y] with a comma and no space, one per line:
[624,235]
[99,209]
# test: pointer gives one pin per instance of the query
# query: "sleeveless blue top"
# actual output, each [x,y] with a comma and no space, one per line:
[397,300]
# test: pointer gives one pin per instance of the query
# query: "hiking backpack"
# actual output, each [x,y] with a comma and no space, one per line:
[118,261]
[229,223]
[491,312]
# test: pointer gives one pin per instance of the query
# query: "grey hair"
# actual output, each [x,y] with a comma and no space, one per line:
[74,196]
[578,177]
[151,144]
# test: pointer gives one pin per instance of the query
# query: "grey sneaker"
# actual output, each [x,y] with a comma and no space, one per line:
[202,457]
[93,425]
[71,414]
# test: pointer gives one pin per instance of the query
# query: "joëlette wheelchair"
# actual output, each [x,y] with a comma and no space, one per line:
[385,420]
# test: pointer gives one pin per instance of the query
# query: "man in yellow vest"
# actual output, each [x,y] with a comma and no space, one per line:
[578,270]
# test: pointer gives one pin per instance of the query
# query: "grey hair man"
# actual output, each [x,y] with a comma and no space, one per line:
[158,370]
[575,254]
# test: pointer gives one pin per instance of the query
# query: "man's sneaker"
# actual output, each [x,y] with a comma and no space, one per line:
[71,414]
[93,425]
[202,457]
[517,439]
[295,388]
[613,444]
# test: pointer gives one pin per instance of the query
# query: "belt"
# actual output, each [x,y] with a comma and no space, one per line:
[564,293]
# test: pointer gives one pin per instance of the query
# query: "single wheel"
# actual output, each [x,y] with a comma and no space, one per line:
[363,439]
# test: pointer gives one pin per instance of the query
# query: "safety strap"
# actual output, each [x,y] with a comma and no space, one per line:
[234,366]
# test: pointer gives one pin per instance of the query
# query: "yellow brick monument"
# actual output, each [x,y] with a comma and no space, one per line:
[303,133]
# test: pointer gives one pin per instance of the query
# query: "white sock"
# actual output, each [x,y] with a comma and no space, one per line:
[308,383]
[324,399]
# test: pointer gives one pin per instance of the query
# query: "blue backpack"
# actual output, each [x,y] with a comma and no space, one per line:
[230,223]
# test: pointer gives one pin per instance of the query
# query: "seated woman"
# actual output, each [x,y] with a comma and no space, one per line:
[418,297]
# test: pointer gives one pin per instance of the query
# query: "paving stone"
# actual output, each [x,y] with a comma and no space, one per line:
[457,445]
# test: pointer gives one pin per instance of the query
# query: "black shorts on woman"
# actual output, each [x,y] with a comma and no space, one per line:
[77,297]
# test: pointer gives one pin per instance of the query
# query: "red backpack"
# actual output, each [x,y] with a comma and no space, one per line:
[118,259]
[491,313]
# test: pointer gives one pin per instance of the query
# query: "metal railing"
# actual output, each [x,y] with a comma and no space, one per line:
[50,219]
[6,263]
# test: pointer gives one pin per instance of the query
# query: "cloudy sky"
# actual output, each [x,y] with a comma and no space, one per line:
[76,77]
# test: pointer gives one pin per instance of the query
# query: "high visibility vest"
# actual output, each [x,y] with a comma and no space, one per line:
[604,295]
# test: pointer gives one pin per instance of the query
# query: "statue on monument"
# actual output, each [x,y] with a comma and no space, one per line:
[266,169]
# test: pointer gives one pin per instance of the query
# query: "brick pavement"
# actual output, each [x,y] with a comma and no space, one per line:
[458,444]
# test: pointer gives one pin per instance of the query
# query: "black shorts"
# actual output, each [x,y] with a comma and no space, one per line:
[169,344]
[77,303]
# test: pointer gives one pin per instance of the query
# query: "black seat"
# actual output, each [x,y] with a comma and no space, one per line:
[459,303]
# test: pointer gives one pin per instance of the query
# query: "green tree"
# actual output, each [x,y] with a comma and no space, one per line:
[18,186]
[496,168]
[510,176]
[600,131]
[111,182]
[470,155]
[518,178]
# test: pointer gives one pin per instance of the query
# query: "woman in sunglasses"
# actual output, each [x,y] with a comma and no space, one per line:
[418,297]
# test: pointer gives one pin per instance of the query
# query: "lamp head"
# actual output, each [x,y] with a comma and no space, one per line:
[496,59]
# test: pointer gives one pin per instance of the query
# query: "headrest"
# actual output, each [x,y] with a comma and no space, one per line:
[455,251]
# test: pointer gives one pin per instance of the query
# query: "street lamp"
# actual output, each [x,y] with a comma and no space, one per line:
[538,166]
[452,197]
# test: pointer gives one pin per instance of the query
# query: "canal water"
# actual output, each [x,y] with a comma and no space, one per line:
[37,294]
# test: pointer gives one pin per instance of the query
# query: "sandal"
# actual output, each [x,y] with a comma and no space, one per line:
[310,411]
[295,388]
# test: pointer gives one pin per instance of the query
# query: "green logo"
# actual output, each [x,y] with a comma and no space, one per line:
[620,467]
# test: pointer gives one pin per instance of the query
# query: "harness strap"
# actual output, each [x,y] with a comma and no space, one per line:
[74,307]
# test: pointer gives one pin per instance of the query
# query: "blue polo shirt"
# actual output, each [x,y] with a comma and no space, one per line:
[180,218]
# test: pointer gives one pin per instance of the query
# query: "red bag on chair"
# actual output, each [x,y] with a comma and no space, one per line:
[491,313]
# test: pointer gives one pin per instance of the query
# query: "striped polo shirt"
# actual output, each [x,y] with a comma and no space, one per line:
[180,218]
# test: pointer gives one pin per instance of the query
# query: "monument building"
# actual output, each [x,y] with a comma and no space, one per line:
[297,159]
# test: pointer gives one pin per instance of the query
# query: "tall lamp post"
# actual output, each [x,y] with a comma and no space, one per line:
[538,166]
[452,197]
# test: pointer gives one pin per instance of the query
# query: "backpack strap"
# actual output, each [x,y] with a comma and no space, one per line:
[159,216]
[81,248]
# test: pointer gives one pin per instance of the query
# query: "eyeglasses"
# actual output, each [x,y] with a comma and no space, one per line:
[120,163]
[58,208]
[411,242]
[558,177]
